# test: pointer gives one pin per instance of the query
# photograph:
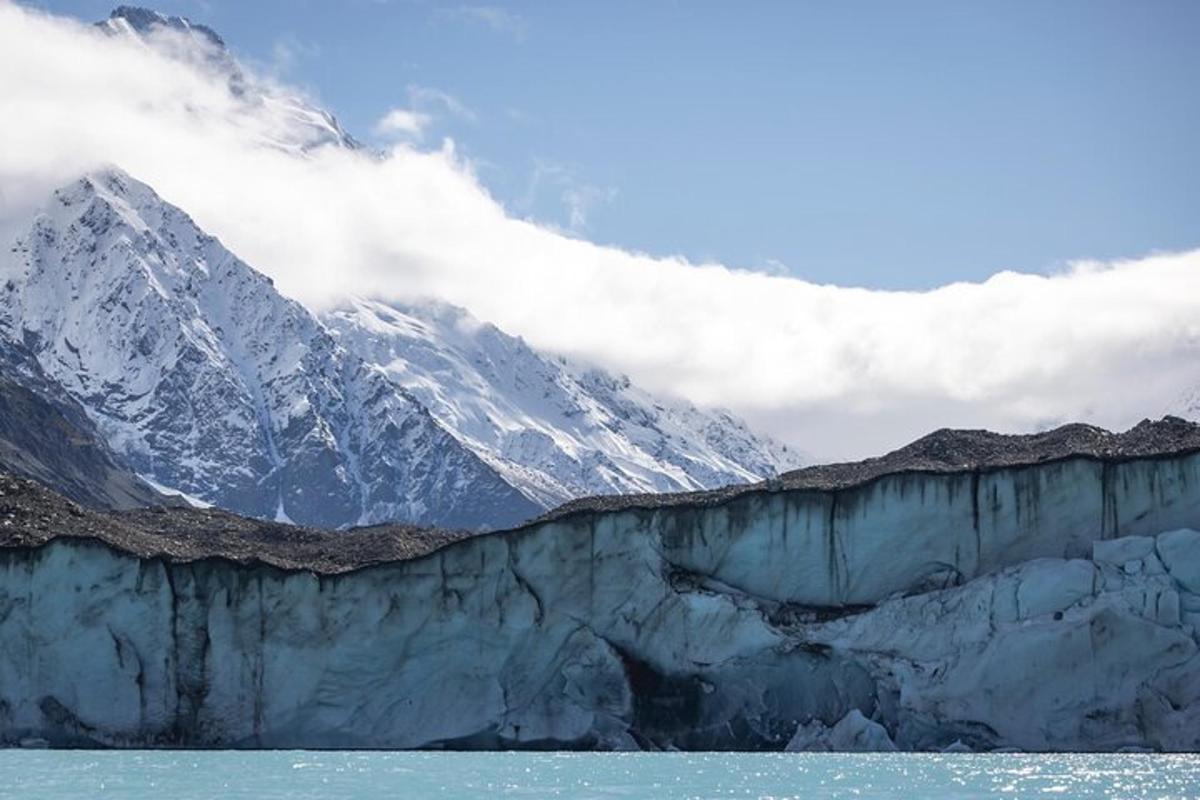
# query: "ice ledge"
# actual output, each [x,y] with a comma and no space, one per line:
[948,503]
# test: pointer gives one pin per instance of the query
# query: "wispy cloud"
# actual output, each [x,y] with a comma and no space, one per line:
[773,266]
[577,197]
[497,19]
[839,371]
[288,50]
[427,98]
[581,200]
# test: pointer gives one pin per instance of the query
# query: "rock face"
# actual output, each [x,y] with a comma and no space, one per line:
[556,429]
[1041,596]
[46,435]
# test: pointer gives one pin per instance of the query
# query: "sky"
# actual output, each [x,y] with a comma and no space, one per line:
[849,224]
[877,144]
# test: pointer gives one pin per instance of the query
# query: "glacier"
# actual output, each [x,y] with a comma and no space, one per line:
[971,591]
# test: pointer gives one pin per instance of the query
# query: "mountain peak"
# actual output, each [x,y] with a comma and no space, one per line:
[110,183]
[144,20]
[107,201]
[300,125]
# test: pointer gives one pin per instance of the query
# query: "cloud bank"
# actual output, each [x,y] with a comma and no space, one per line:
[837,371]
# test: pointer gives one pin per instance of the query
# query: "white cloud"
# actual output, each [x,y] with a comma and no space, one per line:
[403,122]
[838,371]
[412,122]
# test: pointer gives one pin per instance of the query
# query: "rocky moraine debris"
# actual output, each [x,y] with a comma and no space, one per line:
[31,516]
[944,451]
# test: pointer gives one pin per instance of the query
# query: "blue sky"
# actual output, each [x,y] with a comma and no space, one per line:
[882,144]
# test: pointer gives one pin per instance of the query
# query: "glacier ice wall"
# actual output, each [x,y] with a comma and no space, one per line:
[1053,606]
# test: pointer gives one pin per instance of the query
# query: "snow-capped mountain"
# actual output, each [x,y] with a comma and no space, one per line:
[137,21]
[208,381]
[293,124]
[555,428]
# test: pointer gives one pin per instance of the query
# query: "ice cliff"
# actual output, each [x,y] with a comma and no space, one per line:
[972,590]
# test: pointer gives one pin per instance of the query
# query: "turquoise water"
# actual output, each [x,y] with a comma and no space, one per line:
[176,775]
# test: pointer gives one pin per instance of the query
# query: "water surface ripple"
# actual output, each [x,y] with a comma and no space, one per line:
[299,775]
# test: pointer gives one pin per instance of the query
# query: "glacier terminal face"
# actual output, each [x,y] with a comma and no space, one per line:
[1044,598]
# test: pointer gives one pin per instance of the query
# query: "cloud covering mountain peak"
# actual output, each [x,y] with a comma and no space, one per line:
[839,371]
[144,20]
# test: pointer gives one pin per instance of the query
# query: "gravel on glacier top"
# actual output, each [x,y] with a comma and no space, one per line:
[32,515]
[943,451]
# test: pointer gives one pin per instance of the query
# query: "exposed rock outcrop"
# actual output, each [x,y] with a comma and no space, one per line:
[46,435]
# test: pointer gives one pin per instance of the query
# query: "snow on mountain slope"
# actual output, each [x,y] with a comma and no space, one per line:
[295,124]
[556,429]
[208,381]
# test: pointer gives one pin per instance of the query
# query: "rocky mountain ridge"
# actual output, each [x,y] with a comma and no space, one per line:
[557,429]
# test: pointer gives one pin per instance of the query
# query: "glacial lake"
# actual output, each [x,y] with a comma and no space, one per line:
[300,775]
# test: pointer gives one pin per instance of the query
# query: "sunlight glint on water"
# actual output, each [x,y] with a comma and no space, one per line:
[184,775]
